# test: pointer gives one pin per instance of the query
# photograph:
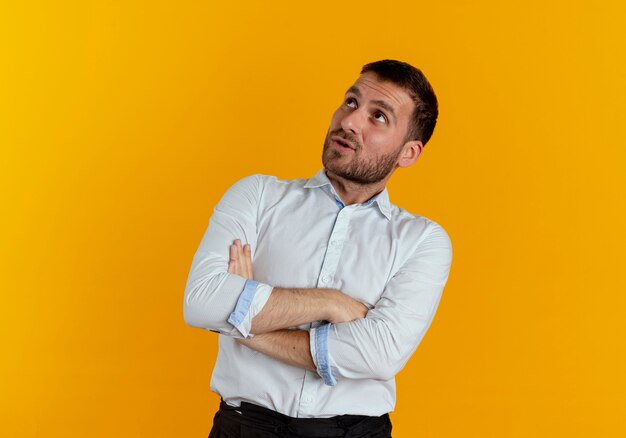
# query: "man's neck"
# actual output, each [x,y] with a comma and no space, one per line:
[354,193]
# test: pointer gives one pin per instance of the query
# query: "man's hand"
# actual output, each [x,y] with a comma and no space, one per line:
[240,262]
[346,309]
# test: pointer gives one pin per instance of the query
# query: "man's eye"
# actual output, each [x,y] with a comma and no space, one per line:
[380,117]
[351,102]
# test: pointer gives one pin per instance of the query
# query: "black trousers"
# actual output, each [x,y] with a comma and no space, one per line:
[254,421]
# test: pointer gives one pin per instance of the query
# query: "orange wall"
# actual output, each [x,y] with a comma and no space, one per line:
[122,123]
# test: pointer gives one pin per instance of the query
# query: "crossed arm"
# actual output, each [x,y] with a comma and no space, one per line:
[288,308]
[358,344]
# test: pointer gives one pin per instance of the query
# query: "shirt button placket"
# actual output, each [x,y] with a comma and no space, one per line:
[329,268]
[335,245]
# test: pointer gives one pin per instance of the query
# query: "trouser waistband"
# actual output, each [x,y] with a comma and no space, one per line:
[261,418]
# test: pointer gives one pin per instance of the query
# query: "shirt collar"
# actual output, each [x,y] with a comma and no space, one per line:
[382,199]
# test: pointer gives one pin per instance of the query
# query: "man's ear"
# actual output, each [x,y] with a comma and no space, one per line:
[410,153]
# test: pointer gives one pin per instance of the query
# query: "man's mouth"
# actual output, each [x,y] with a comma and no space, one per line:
[342,143]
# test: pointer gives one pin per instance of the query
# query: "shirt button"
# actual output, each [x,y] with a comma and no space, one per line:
[325,279]
[333,243]
[308,399]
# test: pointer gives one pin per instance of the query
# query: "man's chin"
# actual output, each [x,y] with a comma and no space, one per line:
[330,158]
[331,163]
[352,175]
[342,173]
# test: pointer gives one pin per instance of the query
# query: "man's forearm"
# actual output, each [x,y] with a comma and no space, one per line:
[290,346]
[291,307]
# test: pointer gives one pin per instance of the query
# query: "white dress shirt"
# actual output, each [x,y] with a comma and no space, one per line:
[303,236]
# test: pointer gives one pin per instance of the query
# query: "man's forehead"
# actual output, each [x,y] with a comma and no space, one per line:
[369,83]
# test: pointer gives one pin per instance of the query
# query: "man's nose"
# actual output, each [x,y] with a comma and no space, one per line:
[353,121]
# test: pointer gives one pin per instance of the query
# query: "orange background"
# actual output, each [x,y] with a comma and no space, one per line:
[122,123]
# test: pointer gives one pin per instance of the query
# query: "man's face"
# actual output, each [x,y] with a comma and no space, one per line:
[366,137]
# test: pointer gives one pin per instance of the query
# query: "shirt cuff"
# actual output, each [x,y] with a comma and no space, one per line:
[321,355]
[250,302]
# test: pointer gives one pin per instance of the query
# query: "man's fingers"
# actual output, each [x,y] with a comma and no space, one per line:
[240,262]
[247,257]
[233,262]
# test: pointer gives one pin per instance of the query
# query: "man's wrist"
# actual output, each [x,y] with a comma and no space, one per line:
[330,303]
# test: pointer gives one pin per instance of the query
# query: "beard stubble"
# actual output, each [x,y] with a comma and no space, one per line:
[359,170]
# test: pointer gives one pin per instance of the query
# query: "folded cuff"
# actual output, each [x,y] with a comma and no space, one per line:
[250,302]
[320,353]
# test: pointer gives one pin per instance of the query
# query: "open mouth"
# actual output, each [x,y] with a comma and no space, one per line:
[340,143]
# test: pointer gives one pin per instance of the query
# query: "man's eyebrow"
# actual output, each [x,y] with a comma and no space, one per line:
[354,90]
[384,105]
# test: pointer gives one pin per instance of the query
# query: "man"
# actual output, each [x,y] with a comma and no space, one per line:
[345,283]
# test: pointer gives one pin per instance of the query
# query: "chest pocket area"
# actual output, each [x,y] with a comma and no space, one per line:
[363,271]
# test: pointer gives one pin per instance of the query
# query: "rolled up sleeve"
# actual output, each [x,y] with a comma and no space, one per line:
[321,356]
[249,304]
[379,345]
[215,299]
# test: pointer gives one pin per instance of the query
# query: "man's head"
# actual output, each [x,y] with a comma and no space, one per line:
[384,121]
[413,81]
